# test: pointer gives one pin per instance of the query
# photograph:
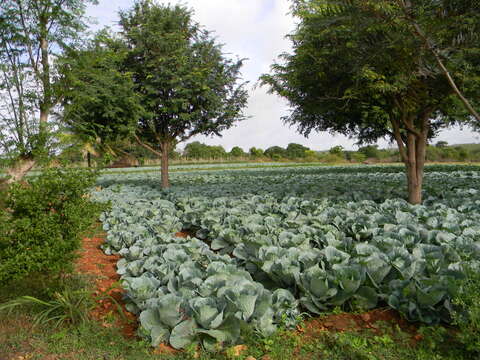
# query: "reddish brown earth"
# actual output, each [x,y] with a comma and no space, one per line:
[184,234]
[93,261]
[374,320]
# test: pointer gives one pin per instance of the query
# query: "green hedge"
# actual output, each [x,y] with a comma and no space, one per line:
[41,223]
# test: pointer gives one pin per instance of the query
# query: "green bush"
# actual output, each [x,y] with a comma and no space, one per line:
[40,228]
[468,316]
[331,158]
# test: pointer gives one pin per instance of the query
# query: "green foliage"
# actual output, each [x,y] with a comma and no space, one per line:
[331,158]
[255,152]
[370,151]
[355,156]
[188,86]
[68,307]
[351,92]
[197,150]
[275,152]
[448,153]
[467,316]
[45,217]
[99,101]
[29,81]
[296,151]
[336,150]
[237,152]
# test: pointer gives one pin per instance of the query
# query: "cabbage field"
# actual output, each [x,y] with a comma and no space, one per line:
[269,245]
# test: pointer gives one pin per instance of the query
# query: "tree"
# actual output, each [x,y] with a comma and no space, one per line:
[100,105]
[462,18]
[275,152]
[255,153]
[441,144]
[32,34]
[336,150]
[356,71]
[197,150]
[296,151]
[370,151]
[186,84]
[237,152]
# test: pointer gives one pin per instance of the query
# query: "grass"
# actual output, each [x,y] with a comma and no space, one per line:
[92,341]
[21,339]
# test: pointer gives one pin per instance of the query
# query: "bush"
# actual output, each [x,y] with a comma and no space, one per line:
[331,158]
[39,231]
[468,316]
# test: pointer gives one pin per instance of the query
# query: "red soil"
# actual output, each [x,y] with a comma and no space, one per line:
[93,261]
[374,320]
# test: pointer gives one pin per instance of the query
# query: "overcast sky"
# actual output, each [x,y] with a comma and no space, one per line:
[254,29]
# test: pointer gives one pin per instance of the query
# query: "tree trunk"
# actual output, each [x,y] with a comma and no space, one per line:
[412,147]
[164,167]
[414,184]
[89,159]
[19,169]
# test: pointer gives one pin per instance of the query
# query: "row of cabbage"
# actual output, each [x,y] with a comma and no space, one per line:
[379,184]
[195,166]
[263,258]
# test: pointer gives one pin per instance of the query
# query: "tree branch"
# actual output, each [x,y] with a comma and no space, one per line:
[398,138]
[408,126]
[146,146]
[417,31]
[28,40]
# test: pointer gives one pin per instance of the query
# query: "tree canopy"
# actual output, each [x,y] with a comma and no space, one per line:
[357,69]
[32,34]
[187,85]
[99,102]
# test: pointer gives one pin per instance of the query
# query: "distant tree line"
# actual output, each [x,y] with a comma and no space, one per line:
[440,151]
[197,151]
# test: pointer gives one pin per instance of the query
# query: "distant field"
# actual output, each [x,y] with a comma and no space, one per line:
[261,165]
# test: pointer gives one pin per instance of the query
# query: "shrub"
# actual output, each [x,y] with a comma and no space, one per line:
[39,231]
[468,316]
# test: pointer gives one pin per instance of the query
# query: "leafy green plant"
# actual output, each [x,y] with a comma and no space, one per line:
[66,307]
[467,317]
[305,239]
[40,230]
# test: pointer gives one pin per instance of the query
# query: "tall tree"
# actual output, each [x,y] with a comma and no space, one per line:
[356,71]
[296,151]
[188,86]
[32,34]
[99,103]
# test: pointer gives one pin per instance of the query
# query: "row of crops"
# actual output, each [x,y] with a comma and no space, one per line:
[269,245]
[178,167]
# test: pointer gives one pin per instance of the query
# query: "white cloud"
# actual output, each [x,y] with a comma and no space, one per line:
[254,29]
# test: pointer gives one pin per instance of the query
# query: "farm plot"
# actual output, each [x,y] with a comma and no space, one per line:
[271,244]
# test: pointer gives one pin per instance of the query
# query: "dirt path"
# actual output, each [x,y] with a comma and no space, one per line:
[93,261]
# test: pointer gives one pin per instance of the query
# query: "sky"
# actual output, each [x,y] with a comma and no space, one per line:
[255,29]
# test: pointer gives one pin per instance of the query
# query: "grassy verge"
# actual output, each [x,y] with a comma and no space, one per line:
[19,339]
